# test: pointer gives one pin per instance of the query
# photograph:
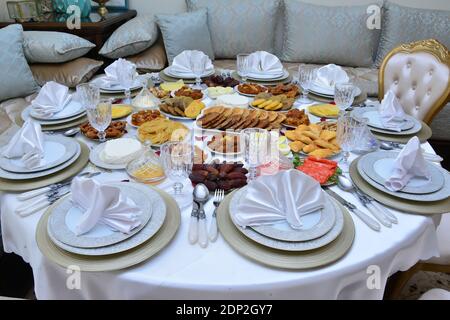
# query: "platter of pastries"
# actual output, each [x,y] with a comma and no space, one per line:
[115,130]
[318,140]
[161,130]
[181,107]
[222,118]
[295,117]
[138,118]
[160,93]
[270,102]
[324,110]
[120,110]
[224,144]
[188,92]
[290,90]
[215,81]
[250,89]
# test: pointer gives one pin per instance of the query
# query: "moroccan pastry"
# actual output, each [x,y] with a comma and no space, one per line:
[189,92]
[251,88]
[324,110]
[178,106]
[225,143]
[296,117]
[268,101]
[290,90]
[161,130]
[115,130]
[120,110]
[142,116]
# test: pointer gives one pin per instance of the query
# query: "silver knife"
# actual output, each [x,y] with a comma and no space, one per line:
[389,216]
[364,217]
[379,215]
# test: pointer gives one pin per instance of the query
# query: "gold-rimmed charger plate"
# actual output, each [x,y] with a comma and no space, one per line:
[285,259]
[408,206]
[114,261]
[167,78]
[73,169]
[61,126]
[263,82]
[424,134]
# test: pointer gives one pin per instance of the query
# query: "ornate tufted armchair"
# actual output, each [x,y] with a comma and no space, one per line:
[419,74]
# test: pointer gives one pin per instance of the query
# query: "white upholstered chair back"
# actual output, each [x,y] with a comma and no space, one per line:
[419,75]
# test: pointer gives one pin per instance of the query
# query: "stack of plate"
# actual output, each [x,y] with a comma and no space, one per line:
[63,157]
[73,114]
[409,127]
[326,236]
[371,171]
[101,248]
[327,92]
[108,88]
[264,78]
[185,75]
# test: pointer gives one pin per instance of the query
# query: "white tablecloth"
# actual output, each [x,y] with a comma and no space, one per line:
[184,271]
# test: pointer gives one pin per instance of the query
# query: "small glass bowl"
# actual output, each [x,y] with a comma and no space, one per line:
[146,169]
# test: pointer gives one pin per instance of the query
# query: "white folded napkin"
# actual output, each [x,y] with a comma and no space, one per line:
[27,143]
[182,62]
[391,112]
[262,62]
[285,196]
[121,72]
[52,98]
[329,75]
[103,204]
[408,164]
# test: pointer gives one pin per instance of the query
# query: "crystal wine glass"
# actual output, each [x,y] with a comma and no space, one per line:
[255,144]
[348,135]
[88,94]
[177,159]
[344,94]
[198,67]
[99,117]
[242,62]
[306,77]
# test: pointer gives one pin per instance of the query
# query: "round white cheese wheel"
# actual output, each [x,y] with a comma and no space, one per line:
[120,151]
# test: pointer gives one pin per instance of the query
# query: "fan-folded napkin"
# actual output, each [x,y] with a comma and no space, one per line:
[27,143]
[52,98]
[121,72]
[409,163]
[183,62]
[391,112]
[285,196]
[105,204]
[329,75]
[262,62]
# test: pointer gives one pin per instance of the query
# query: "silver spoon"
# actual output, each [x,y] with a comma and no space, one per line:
[71,132]
[382,215]
[201,196]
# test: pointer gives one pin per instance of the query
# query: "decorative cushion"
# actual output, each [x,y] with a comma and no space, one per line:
[16,79]
[152,59]
[131,38]
[238,26]
[54,47]
[324,34]
[403,25]
[185,31]
[69,73]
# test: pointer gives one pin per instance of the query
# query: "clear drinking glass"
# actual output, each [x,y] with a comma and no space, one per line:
[128,80]
[100,117]
[177,159]
[255,144]
[348,134]
[88,94]
[306,77]
[344,94]
[242,64]
[198,67]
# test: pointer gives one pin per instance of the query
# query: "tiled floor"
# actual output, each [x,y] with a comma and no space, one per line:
[423,281]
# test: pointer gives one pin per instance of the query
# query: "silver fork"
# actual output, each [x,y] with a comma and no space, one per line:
[219,194]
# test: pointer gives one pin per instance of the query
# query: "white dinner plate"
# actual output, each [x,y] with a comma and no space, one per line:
[94,157]
[115,88]
[149,230]
[411,126]
[32,175]
[328,92]
[26,114]
[66,216]
[441,194]
[328,237]
[57,150]
[378,166]
[72,109]
[267,77]
[168,71]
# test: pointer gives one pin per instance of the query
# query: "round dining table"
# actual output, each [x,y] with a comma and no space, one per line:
[185,271]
